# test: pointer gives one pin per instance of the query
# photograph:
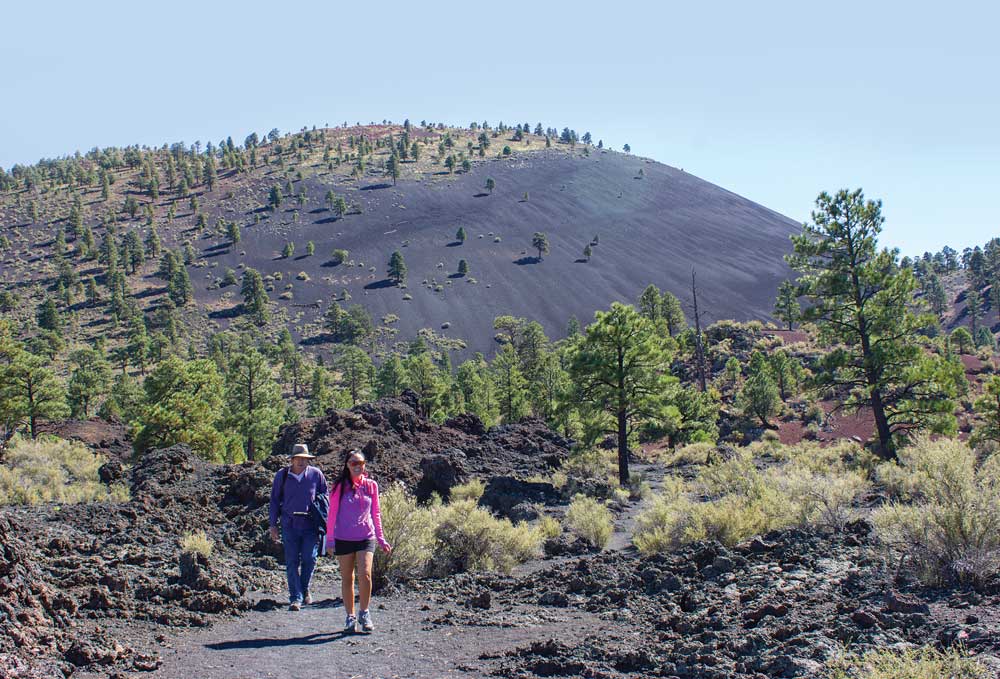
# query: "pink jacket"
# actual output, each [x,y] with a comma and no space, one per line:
[369,488]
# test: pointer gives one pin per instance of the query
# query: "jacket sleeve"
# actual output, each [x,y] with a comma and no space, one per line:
[377,517]
[273,513]
[331,516]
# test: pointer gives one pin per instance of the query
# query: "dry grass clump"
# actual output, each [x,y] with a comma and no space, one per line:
[197,542]
[922,663]
[50,469]
[693,453]
[948,522]
[470,490]
[592,463]
[591,520]
[549,527]
[409,528]
[733,500]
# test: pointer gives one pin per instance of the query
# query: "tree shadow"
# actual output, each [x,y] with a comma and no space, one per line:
[218,246]
[457,275]
[379,285]
[330,263]
[375,187]
[150,292]
[453,244]
[318,210]
[325,220]
[316,340]
[527,260]
[480,195]
[580,261]
[231,312]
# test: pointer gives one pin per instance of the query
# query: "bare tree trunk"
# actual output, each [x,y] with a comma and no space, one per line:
[698,346]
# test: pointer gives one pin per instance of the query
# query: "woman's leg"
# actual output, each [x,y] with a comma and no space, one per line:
[347,581]
[364,567]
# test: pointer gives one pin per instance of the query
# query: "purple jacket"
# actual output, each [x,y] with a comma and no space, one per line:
[298,496]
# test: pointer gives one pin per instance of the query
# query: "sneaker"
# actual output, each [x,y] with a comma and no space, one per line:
[295,606]
[365,618]
[351,624]
[307,601]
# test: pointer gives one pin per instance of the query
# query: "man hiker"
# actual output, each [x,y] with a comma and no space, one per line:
[293,492]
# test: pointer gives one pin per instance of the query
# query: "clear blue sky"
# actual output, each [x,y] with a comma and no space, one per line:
[773,100]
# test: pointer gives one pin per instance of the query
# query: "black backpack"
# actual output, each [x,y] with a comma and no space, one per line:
[318,510]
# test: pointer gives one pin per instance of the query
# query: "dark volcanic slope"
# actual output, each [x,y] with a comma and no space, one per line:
[652,229]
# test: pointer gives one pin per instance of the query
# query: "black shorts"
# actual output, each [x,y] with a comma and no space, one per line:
[345,547]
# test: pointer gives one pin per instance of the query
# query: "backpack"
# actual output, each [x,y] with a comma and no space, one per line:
[318,509]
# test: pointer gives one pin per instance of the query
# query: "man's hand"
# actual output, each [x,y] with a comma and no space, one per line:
[274,534]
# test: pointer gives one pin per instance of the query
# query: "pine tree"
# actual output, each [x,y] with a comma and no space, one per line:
[392,168]
[787,307]
[397,268]
[233,232]
[490,184]
[184,403]
[650,303]
[179,287]
[255,298]
[759,396]
[48,316]
[673,313]
[587,252]
[254,407]
[29,391]
[860,301]
[988,411]
[621,367]
[460,234]
[356,370]
[463,267]
[391,378]
[540,242]
[274,198]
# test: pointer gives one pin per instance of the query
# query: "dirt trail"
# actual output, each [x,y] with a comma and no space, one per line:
[419,635]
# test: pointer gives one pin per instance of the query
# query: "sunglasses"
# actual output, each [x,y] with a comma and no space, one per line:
[355,463]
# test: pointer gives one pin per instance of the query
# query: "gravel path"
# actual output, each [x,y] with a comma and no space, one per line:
[413,639]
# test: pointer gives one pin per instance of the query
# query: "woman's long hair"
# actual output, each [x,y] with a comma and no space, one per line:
[344,478]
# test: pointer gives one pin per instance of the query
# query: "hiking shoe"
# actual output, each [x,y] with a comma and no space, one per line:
[351,625]
[365,618]
[307,601]
[295,606]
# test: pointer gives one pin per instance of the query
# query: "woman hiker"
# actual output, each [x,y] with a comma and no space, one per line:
[354,526]
[292,492]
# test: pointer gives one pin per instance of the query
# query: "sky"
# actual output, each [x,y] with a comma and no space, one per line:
[775,101]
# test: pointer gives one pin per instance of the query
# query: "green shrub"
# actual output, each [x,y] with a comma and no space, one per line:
[50,469]
[470,490]
[469,538]
[951,527]
[197,542]
[591,520]
[923,663]
[409,528]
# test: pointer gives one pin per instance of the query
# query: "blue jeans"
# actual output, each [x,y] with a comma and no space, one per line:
[301,548]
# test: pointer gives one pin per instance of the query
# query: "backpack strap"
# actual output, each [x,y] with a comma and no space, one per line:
[281,493]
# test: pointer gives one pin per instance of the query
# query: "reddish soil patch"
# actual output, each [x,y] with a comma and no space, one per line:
[840,424]
[789,336]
